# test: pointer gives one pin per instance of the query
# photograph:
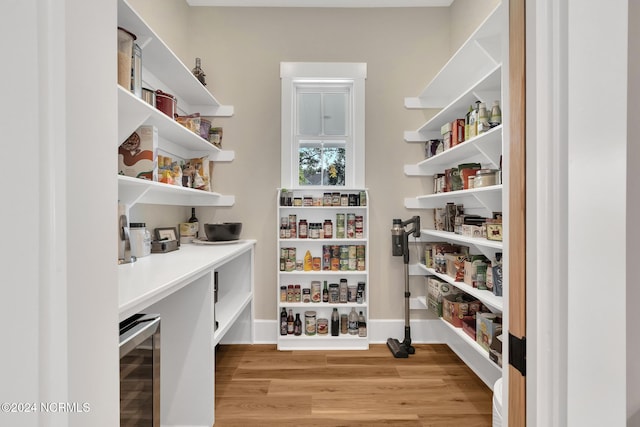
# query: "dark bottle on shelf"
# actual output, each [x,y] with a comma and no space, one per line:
[198,73]
[290,322]
[297,325]
[325,293]
[194,220]
[335,323]
[283,322]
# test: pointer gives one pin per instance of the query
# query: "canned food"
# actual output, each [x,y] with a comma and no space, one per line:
[322,326]
[334,293]
[485,178]
[316,295]
[344,291]
[309,322]
[353,292]
[306,295]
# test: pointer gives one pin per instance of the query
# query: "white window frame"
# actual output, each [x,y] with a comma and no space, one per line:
[303,74]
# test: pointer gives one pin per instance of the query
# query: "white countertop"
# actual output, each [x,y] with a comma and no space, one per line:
[156,276]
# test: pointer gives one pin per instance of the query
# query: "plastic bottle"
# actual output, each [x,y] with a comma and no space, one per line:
[362,325]
[483,118]
[353,322]
[335,323]
[495,119]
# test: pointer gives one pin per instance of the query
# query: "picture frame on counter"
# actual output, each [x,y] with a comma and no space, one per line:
[166,233]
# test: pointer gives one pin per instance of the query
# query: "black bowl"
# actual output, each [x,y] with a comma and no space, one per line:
[223,232]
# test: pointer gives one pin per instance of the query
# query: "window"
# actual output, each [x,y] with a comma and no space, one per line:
[323,125]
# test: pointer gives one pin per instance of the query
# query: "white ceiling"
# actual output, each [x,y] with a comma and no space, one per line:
[321,3]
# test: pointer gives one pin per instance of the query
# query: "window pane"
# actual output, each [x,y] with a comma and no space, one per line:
[334,165]
[310,171]
[309,114]
[322,164]
[335,113]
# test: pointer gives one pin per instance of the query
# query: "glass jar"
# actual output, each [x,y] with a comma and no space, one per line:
[140,239]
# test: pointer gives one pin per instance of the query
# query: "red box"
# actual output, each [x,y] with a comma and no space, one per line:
[456,307]
[469,326]
[457,132]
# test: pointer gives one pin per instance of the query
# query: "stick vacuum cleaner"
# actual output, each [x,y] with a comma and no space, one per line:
[400,247]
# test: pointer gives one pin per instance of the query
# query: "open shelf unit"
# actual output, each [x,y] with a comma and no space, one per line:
[474,73]
[161,69]
[316,246]
[180,285]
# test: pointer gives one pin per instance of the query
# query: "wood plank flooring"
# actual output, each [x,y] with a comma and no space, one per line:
[257,385]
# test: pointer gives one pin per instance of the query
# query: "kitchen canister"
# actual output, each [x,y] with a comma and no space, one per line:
[166,103]
[140,239]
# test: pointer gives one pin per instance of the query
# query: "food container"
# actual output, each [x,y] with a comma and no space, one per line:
[149,96]
[322,326]
[205,126]
[309,322]
[166,103]
[125,55]
[485,178]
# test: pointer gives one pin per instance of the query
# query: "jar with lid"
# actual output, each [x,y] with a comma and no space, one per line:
[140,239]
[484,178]
[328,229]
[303,229]
[344,291]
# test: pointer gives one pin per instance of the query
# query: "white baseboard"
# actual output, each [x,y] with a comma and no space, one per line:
[424,331]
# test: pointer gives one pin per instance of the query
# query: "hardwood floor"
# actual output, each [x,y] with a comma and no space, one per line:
[257,385]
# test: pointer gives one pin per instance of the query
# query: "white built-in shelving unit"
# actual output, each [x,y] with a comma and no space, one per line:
[474,73]
[318,214]
[180,285]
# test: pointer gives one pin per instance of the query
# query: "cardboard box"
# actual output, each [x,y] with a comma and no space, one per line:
[455,265]
[457,132]
[445,131]
[455,307]
[488,327]
[436,290]
[138,155]
[495,350]
[474,231]
[469,326]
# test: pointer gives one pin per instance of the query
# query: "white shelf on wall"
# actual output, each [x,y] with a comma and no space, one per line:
[481,53]
[485,149]
[493,302]
[134,190]
[478,242]
[471,343]
[487,199]
[486,90]
[134,112]
[166,66]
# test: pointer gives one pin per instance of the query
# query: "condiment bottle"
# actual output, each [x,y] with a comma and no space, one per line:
[362,325]
[297,325]
[495,118]
[353,322]
[283,322]
[290,322]
[335,323]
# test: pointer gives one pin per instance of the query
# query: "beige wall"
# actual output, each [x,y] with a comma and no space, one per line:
[241,51]
[466,16]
